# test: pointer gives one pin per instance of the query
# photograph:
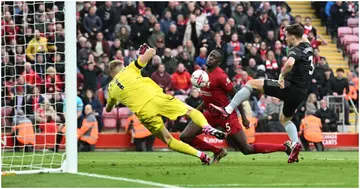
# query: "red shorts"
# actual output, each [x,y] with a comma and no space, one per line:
[231,125]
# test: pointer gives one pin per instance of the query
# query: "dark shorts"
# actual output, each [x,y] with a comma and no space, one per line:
[292,95]
[231,125]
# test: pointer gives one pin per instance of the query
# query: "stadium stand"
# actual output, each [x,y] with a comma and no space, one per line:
[250,33]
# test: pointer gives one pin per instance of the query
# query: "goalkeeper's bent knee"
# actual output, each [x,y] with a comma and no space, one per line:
[198,118]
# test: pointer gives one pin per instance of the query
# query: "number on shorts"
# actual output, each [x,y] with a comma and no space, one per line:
[119,84]
[312,65]
[227,127]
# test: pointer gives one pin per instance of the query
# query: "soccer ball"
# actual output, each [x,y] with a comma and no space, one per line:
[199,78]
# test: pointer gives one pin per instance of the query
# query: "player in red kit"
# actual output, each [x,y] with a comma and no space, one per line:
[217,92]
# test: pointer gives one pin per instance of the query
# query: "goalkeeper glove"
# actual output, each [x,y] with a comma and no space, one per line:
[143,48]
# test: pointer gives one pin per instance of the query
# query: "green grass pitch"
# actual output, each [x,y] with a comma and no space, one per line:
[315,169]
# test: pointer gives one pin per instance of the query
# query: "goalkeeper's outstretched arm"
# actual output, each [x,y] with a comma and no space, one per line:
[146,56]
[111,103]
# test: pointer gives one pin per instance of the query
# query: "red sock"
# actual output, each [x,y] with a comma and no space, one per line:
[268,148]
[202,145]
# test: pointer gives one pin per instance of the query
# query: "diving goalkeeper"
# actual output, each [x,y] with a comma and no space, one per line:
[147,100]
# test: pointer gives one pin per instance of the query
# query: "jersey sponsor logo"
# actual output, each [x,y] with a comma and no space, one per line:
[292,52]
[308,49]
[205,93]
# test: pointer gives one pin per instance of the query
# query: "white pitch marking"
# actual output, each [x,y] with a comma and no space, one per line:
[264,184]
[127,180]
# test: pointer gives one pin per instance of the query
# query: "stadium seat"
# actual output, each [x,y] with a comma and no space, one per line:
[123,123]
[356,31]
[348,39]
[352,48]
[110,119]
[5,112]
[355,58]
[344,31]
[353,22]
[123,114]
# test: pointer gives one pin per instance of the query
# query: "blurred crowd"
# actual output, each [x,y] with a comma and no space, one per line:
[183,34]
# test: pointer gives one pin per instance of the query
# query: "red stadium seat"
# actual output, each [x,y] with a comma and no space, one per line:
[355,58]
[123,114]
[353,22]
[123,123]
[344,31]
[5,113]
[356,31]
[352,48]
[110,118]
[348,39]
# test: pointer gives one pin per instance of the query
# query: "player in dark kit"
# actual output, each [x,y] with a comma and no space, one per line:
[217,91]
[291,87]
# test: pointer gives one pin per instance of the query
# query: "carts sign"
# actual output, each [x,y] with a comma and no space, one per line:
[329,139]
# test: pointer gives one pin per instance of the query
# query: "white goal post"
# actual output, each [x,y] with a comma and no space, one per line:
[15,157]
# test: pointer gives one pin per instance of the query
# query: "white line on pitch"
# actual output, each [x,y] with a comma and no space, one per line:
[138,181]
[263,185]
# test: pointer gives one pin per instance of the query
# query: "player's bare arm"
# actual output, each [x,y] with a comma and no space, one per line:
[110,105]
[287,67]
[147,55]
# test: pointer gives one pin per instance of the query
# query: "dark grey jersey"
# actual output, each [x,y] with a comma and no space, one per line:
[303,67]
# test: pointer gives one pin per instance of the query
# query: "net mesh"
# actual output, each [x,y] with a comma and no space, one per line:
[32,85]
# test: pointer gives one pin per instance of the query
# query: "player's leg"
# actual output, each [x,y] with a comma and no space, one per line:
[189,136]
[285,119]
[155,125]
[199,119]
[175,108]
[233,127]
[289,127]
[244,94]
[241,96]
[240,140]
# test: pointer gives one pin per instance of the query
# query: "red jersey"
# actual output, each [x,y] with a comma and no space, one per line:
[217,89]
[315,43]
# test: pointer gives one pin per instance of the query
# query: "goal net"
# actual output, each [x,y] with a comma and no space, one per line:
[34,84]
